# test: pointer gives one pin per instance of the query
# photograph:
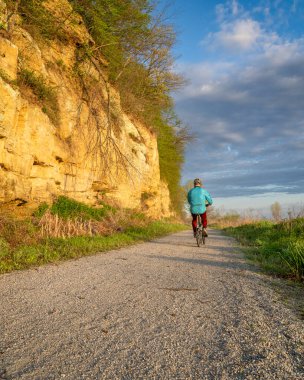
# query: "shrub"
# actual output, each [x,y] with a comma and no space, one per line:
[171,158]
[4,247]
[46,95]
[16,232]
[4,76]
[39,21]
[41,210]
[278,247]
[68,208]
[293,256]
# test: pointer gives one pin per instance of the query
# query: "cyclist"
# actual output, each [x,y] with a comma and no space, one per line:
[198,199]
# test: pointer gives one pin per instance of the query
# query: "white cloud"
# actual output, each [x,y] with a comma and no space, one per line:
[203,77]
[245,104]
[207,89]
[240,35]
[248,114]
[243,34]
[240,32]
[283,52]
[221,128]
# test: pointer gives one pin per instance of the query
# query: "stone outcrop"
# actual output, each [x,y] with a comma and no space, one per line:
[89,149]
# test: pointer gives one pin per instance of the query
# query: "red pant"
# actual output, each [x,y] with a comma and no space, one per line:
[204,220]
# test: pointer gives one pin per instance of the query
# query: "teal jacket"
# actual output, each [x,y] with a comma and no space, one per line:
[197,198]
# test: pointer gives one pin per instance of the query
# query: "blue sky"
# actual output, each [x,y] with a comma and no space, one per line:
[244,98]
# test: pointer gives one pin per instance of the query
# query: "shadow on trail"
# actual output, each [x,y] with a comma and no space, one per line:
[192,243]
[178,244]
[189,241]
[238,265]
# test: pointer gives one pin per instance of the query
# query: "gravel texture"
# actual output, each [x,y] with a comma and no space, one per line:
[164,309]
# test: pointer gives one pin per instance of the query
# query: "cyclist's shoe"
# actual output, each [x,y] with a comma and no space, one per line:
[205,232]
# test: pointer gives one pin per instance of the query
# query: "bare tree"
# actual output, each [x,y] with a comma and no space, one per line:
[102,147]
[276,211]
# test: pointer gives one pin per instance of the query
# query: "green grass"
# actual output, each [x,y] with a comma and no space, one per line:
[4,76]
[38,20]
[68,209]
[45,94]
[55,250]
[278,248]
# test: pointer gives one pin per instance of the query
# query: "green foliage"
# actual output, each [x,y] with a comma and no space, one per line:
[38,20]
[137,45]
[171,158]
[118,26]
[45,94]
[140,96]
[41,210]
[69,208]
[293,256]
[4,247]
[36,83]
[4,76]
[278,247]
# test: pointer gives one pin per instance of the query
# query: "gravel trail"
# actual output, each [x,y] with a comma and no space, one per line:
[164,309]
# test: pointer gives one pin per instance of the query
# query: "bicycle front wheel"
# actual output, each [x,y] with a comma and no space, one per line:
[199,237]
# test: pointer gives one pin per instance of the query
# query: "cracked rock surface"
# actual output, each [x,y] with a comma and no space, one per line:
[164,309]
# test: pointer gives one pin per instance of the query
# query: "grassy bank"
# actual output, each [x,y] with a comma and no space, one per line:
[69,229]
[277,247]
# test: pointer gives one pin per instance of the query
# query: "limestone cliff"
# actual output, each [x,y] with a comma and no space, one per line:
[82,145]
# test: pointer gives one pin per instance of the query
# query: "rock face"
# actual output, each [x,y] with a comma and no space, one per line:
[86,148]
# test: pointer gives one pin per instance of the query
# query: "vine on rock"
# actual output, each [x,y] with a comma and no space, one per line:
[101,142]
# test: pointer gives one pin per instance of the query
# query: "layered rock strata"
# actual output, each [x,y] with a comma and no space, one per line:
[87,148]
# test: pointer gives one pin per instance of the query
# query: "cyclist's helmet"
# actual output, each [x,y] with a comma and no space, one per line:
[197,181]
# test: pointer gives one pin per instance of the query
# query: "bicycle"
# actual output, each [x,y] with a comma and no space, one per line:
[199,235]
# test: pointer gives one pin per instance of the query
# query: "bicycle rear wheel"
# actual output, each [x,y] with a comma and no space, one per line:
[199,232]
[198,237]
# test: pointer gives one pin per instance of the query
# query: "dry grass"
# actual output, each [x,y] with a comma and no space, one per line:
[226,223]
[66,219]
[17,232]
[51,225]
[68,229]
[231,220]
